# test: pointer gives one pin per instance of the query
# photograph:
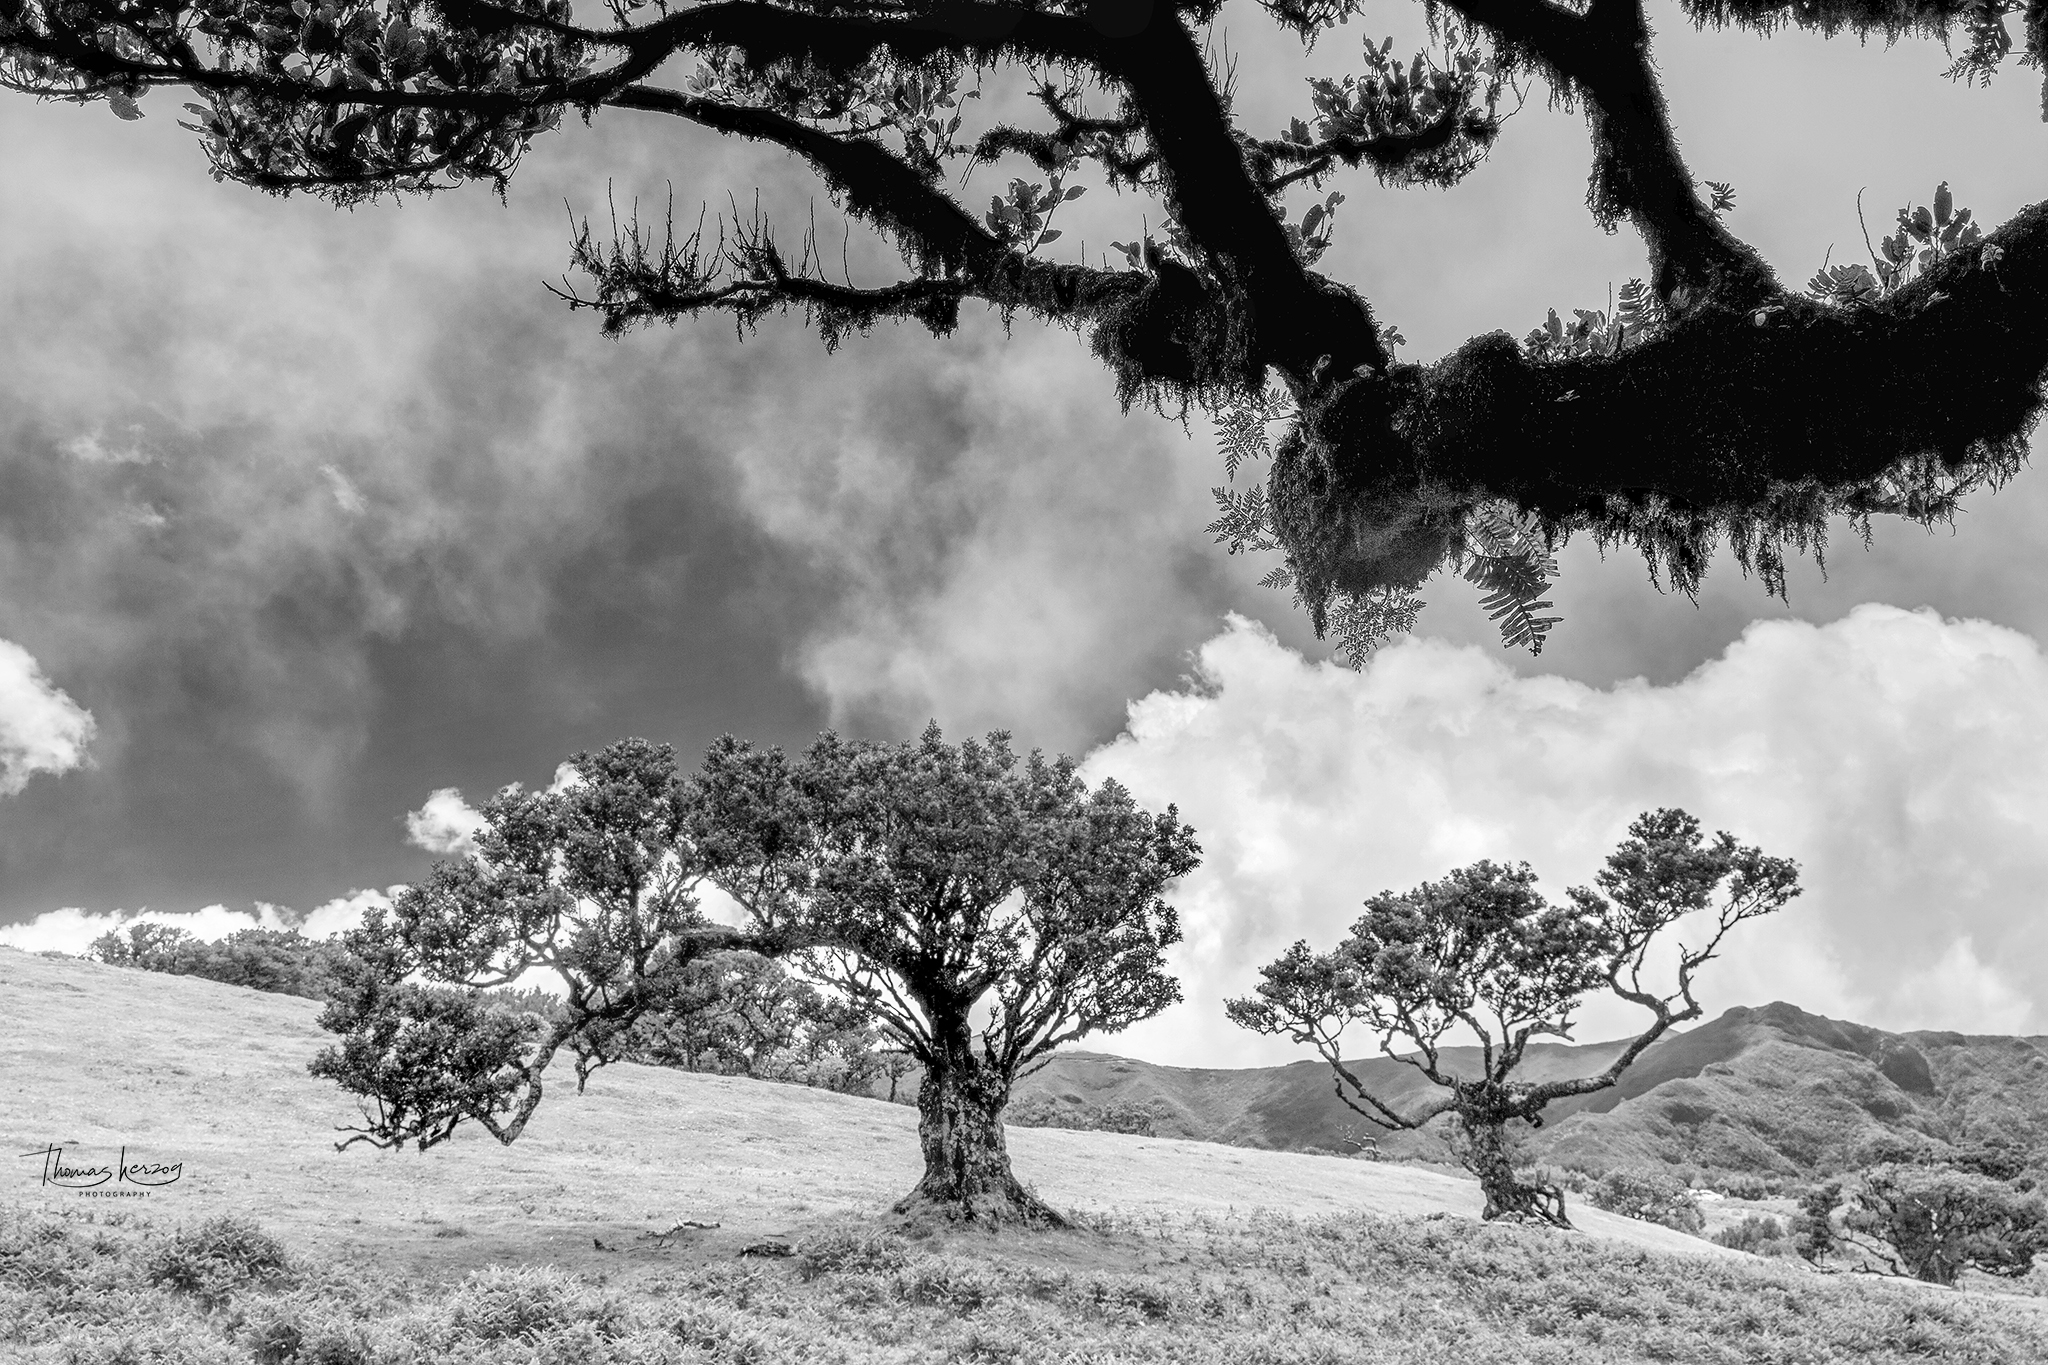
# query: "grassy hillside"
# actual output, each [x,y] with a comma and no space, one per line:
[1770,1091]
[540,1252]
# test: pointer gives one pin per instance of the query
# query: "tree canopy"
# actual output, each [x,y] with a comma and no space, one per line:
[595,882]
[1720,405]
[1480,955]
[983,911]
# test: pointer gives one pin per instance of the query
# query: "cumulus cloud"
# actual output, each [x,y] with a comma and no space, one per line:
[1901,758]
[446,824]
[72,930]
[41,729]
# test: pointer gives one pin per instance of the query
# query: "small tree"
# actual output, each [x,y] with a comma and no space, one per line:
[1813,1227]
[282,961]
[594,882]
[1933,1222]
[146,947]
[1480,953]
[982,911]
[1652,1196]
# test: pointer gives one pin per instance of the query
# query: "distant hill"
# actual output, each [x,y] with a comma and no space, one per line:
[1768,1091]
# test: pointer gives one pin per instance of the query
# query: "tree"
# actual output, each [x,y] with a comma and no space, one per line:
[1813,1228]
[1718,404]
[594,882]
[146,947]
[1932,1222]
[1480,953]
[981,910]
[279,960]
[1650,1195]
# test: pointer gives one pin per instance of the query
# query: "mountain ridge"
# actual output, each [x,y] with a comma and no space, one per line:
[1770,1090]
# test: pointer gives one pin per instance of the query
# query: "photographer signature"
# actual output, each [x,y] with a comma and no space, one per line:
[154,1174]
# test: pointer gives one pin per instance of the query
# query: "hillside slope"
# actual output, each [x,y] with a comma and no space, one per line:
[1772,1090]
[179,1069]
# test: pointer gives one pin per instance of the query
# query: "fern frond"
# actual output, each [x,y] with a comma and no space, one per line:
[1510,562]
[1282,577]
[1365,622]
[1241,425]
[1246,523]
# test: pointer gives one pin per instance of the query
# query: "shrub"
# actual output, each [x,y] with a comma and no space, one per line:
[1750,1187]
[1759,1235]
[1122,1116]
[1652,1196]
[282,961]
[501,1304]
[215,1259]
[850,1248]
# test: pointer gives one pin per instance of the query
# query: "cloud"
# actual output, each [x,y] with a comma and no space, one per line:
[1900,757]
[72,930]
[41,729]
[446,824]
[1011,550]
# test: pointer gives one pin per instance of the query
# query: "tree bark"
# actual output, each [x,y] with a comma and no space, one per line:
[960,1126]
[1507,1196]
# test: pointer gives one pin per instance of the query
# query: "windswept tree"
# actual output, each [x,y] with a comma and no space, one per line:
[1932,1221]
[594,882]
[1719,404]
[1480,957]
[983,910]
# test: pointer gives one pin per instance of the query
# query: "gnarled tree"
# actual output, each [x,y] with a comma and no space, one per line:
[1933,1221]
[1481,955]
[1753,412]
[594,882]
[982,911]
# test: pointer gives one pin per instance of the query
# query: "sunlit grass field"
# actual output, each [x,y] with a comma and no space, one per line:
[274,1247]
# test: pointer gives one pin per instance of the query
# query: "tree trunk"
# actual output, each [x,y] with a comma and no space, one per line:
[966,1162]
[1486,1156]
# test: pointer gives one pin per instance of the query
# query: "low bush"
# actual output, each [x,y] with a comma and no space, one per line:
[1759,1234]
[1121,1116]
[282,961]
[850,1248]
[215,1259]
[1652,1196]
[1214,1290]
[501,1304]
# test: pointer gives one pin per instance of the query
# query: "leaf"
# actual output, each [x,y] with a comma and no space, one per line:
[123,106]
[1309,220]
[1923,224]
[1944,204]
[1510,561]
[1365,622]
[1075,193]
[1246,523]
[1050,236]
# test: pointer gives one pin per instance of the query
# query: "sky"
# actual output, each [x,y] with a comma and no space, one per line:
[317,524]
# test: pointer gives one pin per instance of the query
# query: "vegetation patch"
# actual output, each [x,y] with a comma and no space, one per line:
[1113,1288]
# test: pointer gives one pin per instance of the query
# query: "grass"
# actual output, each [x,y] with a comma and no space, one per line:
[83,1287]
[275,1248]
